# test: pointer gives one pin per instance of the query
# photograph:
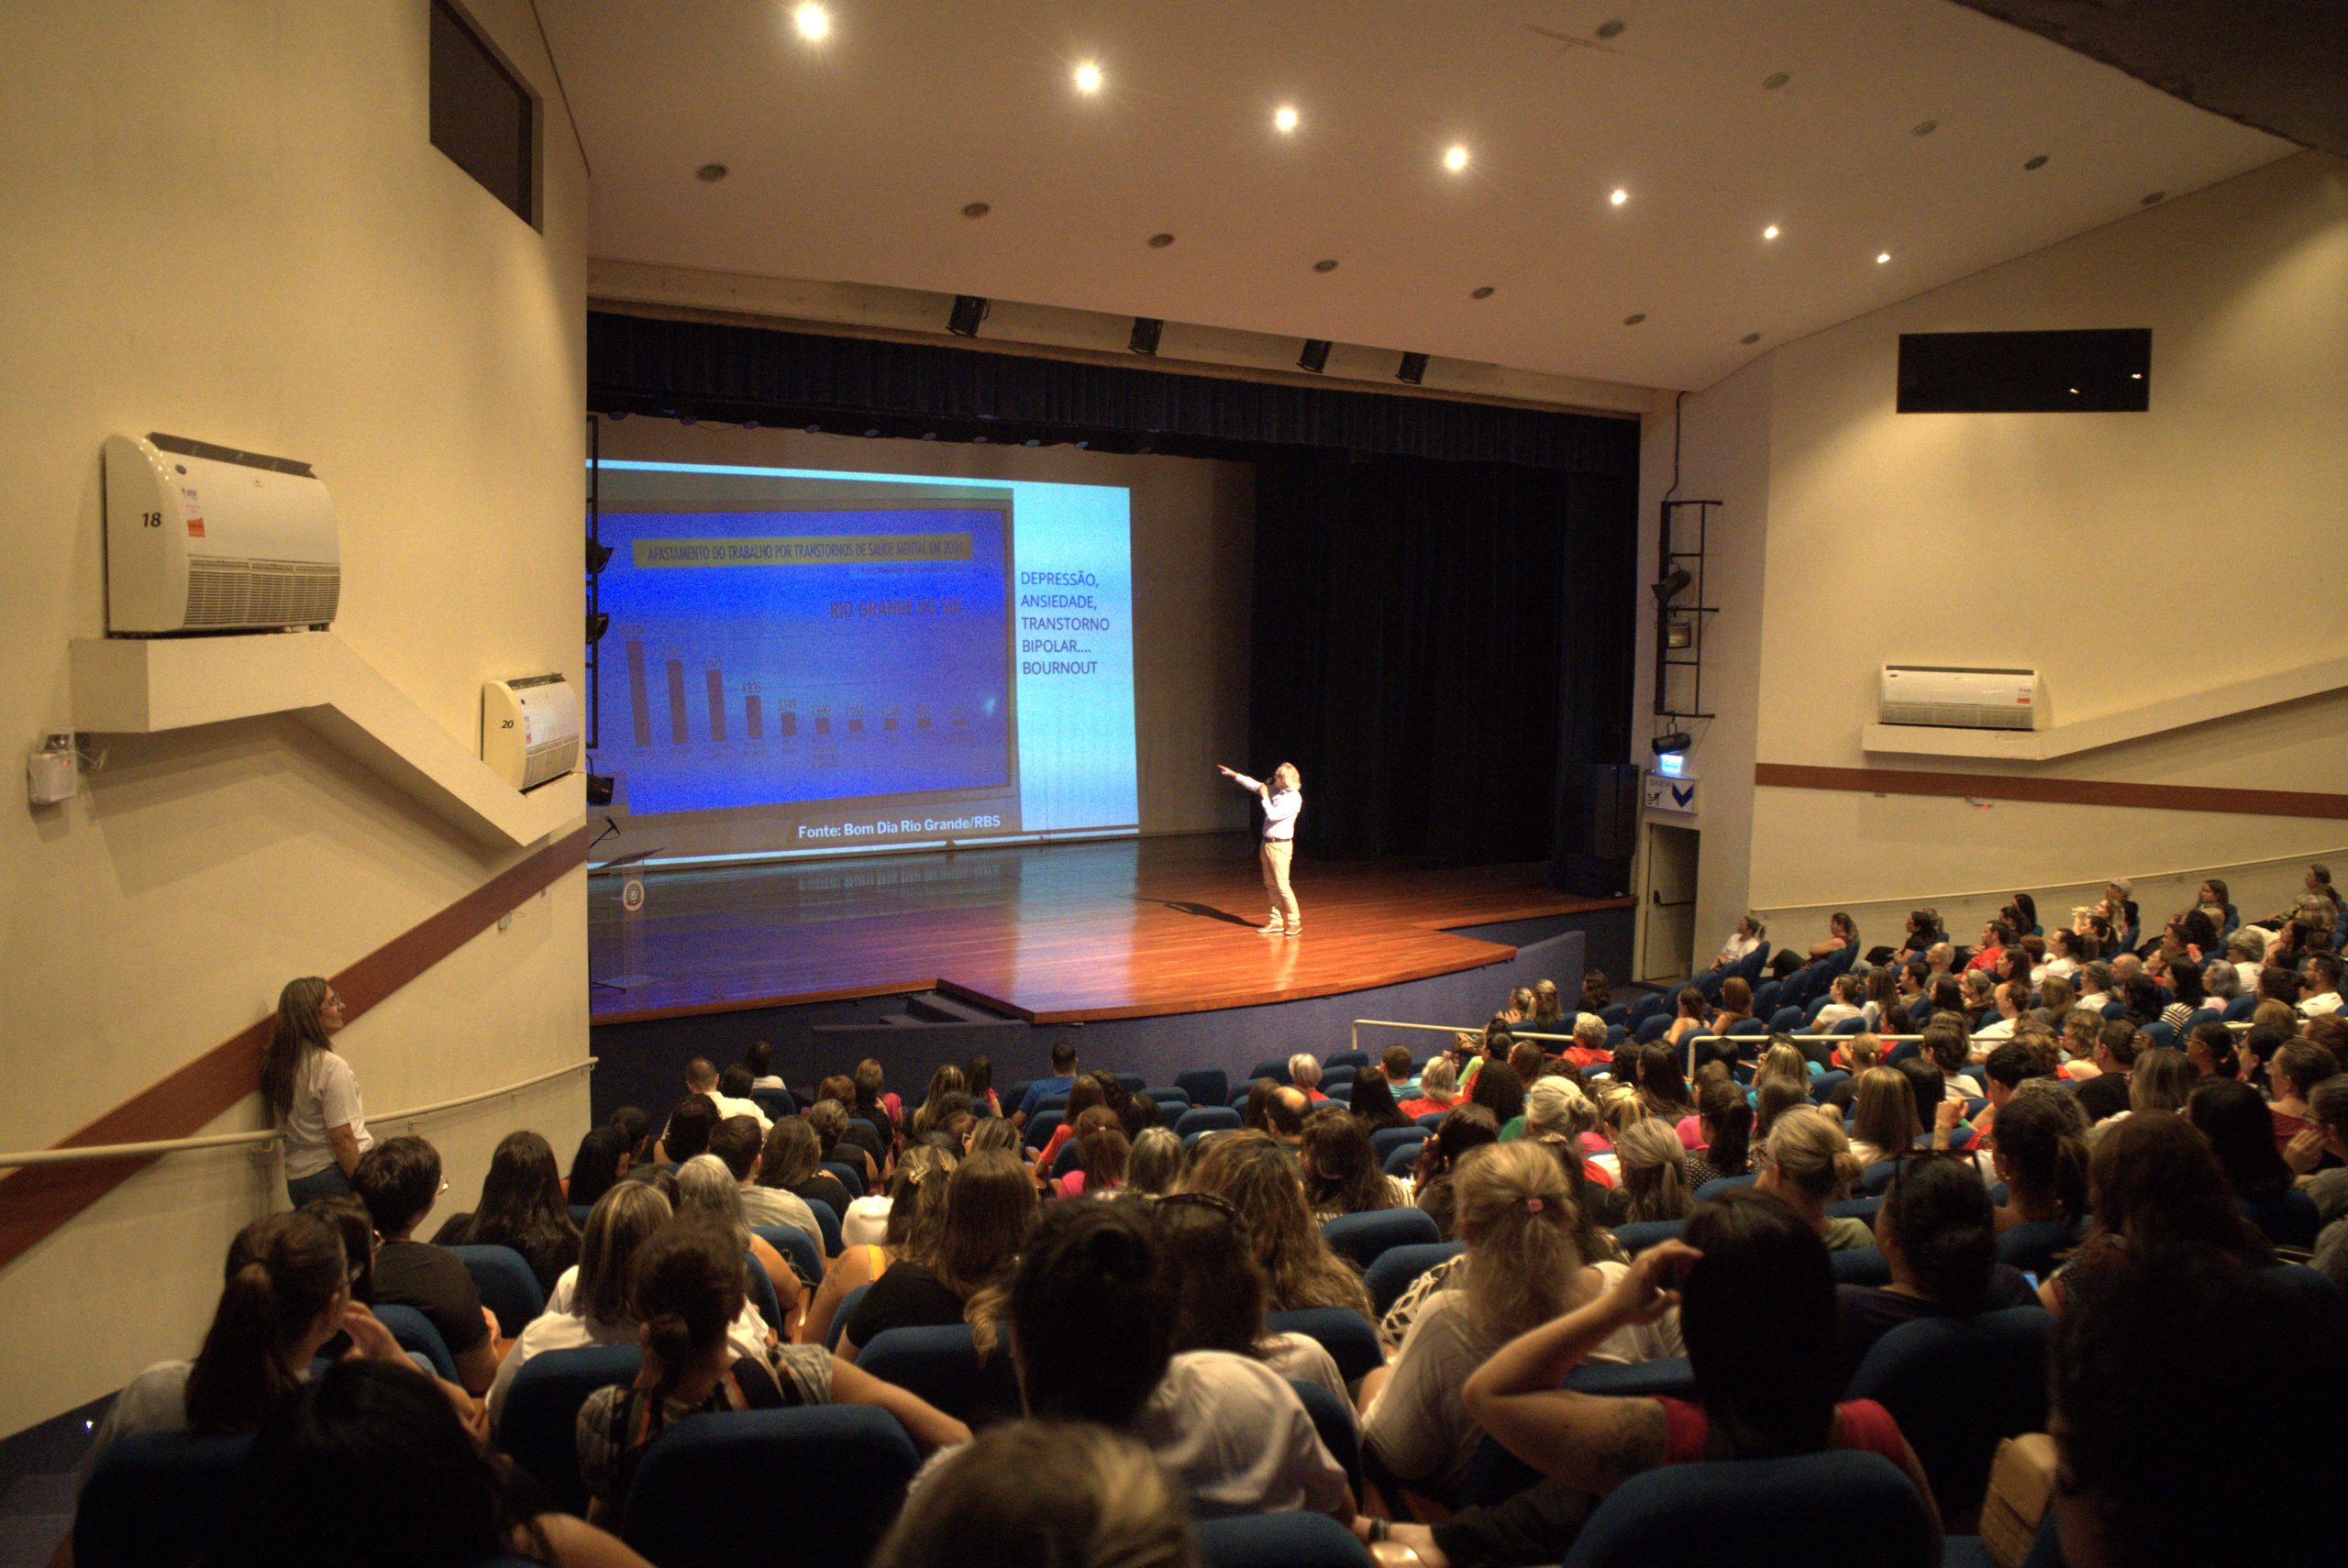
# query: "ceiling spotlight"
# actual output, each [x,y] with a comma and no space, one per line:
[1455,158]
[1088,77]
[710,173]
[1770,232]
[1147,329]
[1774,79]
[1883,258]
[1413,369]
[814,23]
[1315,357]
[1671,741]
[969,311]
[976,210]
[1620,196]
[2038,162]
[1284,118]
[1160,241]
[2135,375]
[598,557]
[1484,293]
[596,625]
[1327,265]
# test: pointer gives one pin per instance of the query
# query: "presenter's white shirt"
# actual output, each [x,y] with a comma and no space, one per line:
[1280,808]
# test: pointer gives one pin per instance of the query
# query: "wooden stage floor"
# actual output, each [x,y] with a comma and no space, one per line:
[1055,934]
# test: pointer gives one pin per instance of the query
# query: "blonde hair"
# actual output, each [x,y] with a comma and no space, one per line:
[1518,1218]
[1295,780]
[1087,1497]
[1651,1156]
[1812,1154]
[1784,1062]
[1883,1110]
[1556,1104]
[1252,1173]
[1622,1109]
[1863,1049]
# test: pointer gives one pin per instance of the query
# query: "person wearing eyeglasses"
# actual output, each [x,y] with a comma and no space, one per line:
[311,1093]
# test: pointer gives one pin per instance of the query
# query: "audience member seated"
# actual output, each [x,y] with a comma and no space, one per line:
[914,1215]
[2106,1094]
[1500,1090]
[1741,943]
[704,1080]
[1807,1162]
[604,1157]
[1394,1062]
[686,1292]
[1463,1128]
[1154,1167]
[1883,1116]
[1371,1100]
[1756,1308]
[2156,1187]
[1084,1094]
[2240,1132]
[522,1206]
[990,1208]
[1062,1079]
[1556,1107]
[838,1140]
[1841,932]
[1066,1493]
[1939,1239]
[707,1190]
[399,1180]
[946,1085]
[1103,1153]
[1221,1291]
[1340,1169]
[2297,1068]
[2161,1080]
[1651,1160]
[2319,984]
[873,1101]
[1304,1073]
[790,1162]
[1690,1016]
[1724,1130]
[1849,1000]
[1250,1172]
[1524,1265]
[2039,1149]
[1093,1308]
[2273,1380]
[1663,1088]
[687,1133]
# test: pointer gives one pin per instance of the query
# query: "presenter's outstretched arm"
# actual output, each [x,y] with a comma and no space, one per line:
[1262,790]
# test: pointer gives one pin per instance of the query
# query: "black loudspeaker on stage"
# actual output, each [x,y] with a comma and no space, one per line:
[1603,833]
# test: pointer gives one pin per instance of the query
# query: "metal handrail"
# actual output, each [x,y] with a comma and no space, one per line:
[87,1154]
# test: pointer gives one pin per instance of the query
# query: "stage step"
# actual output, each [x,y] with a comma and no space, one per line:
[936,1007]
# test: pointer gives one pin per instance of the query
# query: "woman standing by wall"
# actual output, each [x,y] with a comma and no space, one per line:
[313,1095]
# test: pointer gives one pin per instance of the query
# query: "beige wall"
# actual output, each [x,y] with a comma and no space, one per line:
[2130,557]
[228,223]
[1193,555]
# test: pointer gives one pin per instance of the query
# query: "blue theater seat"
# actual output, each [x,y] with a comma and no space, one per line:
[1842,1509]
[854,1458]
[1360,1238]
[539,1425]
[507,1286]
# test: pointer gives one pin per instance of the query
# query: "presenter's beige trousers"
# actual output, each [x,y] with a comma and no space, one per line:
[1275,856]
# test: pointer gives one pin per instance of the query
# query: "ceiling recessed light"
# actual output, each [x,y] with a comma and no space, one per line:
[1160,241]
[1635,317]
[1774,79]
[710,173]
[1088,77]
[2135,375]
[1750,337]
[1330,265]
[1924,127]
[1770,232]
[2037,162]
[1620,196]
[2075,392]
[976,210]
[1484,293]
[1455,158]
[2156,198]
[1284,118]
[1612,29]
[814,23]
[1883,258]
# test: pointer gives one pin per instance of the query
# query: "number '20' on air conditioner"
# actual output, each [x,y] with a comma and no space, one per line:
[1960,697]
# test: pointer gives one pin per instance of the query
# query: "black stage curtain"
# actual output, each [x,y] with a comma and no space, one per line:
[1441,648]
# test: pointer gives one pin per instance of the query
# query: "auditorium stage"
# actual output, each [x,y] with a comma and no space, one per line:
[1049,934]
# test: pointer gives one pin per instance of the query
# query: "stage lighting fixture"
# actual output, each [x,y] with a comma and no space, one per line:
[1147,331]
[599,789]
[598,557]
[969,311]
[597,624]
[1674,583]
[1413,369]
[1315,357]
[1676,740]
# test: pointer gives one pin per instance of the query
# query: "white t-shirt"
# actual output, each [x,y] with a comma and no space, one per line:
[1738,946]
[1281,807]
[773,1206]
[1237,1438]
[1834,1013]
[1300,1358]
[2316,1007]
[326,1094]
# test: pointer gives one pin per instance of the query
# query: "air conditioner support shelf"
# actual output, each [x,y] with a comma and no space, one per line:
[149,685]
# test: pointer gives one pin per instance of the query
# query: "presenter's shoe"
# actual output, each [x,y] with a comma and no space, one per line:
[1295,930]
[1274,928]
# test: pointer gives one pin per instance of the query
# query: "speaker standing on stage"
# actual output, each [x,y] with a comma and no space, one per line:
[1283,800]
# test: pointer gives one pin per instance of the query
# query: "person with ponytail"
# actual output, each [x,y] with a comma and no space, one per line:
[685,1295]
[1724,1122]
[286,1293]
[1940,1240]
[989,1206]
[1524,1265]
[2039,1149]
[1807,1161]
[312,1094]
[1653,1162]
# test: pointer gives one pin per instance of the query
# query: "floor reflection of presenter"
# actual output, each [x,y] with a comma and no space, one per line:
[1281,799]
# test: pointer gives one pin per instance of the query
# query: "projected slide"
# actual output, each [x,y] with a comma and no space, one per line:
[819,661]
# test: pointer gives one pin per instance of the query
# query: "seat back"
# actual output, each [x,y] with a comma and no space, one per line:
[1360,1238]
[1614,1013]
[1348,1336]
[1205,1118]
[1648,1032]
[846,1175]
[1176,1100]
[157,1499]
[1669,1376]
[776,1102]
[1785,1020]
[539,1425]
[415,1332]
[1860,1266]
[1401,1158]
[1276,1070]
[2239,1010]
[507,1286]
[1876,1180]
[796,1245]
[1386,1140]
[761,1290]
[1042,1125]
[841,1314]
[1745,1026]
[1333,1419]
[1958,1387]
[1205,1086]
[1278,1540]
[942,1365]
[1840,1510]
[855,1458]
[1134,1082]
[1718,1185]
[878,1129]
[827,1222]
[1856,1024]
[1639,1235]
[579,1214]
[1347,1059]
[1398,1268]
[2288,1220]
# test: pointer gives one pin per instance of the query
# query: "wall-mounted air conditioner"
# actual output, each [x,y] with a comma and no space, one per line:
[529,729]
[1960,697]
[205,538]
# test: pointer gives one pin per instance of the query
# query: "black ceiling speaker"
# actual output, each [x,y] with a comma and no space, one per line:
[1147,329]
[1315,357]
[597,624]
[969,311]
[1413,369]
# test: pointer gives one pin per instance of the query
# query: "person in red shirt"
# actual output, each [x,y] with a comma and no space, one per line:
[1996,937]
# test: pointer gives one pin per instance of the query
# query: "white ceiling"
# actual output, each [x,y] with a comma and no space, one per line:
[850,161]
